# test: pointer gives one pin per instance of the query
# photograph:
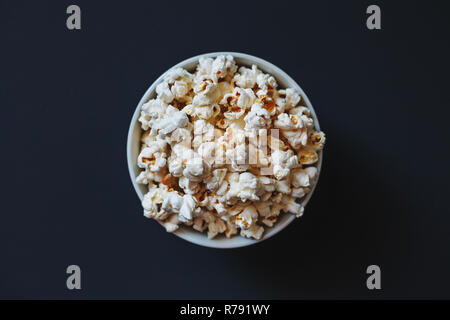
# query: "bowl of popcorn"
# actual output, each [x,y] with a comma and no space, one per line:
[224,150]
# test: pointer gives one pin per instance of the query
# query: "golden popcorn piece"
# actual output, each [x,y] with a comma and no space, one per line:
[307,156]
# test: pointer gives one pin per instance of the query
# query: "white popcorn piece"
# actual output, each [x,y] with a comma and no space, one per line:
[244,186]
[204,66]
[291,206]
[268,184]
[154,108]
[246,78]
[181,135]
[283,162]
[304,114]
[175,166]
[204,129]
[247,217]
[290,97]
[168,122]
[270,219]
[172,202]
[164,93]
[254,231]
[144,120]
[302,177]
[240,97]
[263,208]
[298,193]
[223,66]
[196,169]
[266,81]
[151,204]
[187,208]
[296,138]
[316,140]
[258,117]
[149,177]
[288,122]
[153,157]
[216,179]
[238,102]
[215,227]
[188,186]
[171,223]
[206,91]
[230,230]
[283,186]
[175,74]
[207,220]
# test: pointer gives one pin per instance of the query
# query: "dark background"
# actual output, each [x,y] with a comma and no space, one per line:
[67,98]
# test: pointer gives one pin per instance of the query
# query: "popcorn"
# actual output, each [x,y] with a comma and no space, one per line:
[258,117]
[296,138]
[247,217]
[163,92]
[304,115]
[188,186]
[223,66]
[302,177]
[151,204]
[298,192]
[241,186]
[271,215]
[283,162]
[168,122]
[179,89]
[216,179]
[265,81]
[316,140]
[238,102]
[196,169]
[254,231]
[292,98]
[171,224]
[149,177]
[230,230]
[225,152]
[204,66]
[208,220]
[216,226]
[172,202]
[154,108]
[175,166]
[283,186]
[292,206]
[153,158]
[284,121]
[307,156]
[246,78]
[187,208]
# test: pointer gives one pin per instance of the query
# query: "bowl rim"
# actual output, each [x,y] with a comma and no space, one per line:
[184,232]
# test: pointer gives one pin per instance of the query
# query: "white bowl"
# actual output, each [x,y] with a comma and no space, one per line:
[133,148]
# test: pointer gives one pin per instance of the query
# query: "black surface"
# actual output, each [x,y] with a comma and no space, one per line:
[67,98]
